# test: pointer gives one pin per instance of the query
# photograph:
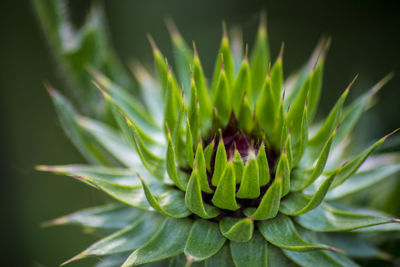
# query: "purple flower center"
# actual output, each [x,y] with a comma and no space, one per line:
[235,139]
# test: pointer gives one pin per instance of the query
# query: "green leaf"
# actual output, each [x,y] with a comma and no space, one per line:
[222,96]
[277,258]
[317,142]
[295,82]
[154,164]
[133,109]
[153,139]
[171,167]
[111,141]
[302,181]
[79,138]
[220,162]
[110,216]
[268,103]
[354,111]
[250,185]
[113,260]
[295,114]
[355,163]
[202,92]
[362,180]
[327,218]
[300,146]
[246,121]
[238,166]
[389,227]
[200,165]
[224,61]
[281,232]
[204,240]
[119,176]
[221,259]
[259,59]
[217,122]
[182,54]
[150,90]
[173,102]
[132,196]
[169,241]
[235,229]
[208,151]
[267,107]
[160,65]
[355,245]
[189,144]
[276,74]
[177,135]
[269,205]
[283,170]
[263,167]
[170,202]
[288,148]
[319,258]
[194,199]
[297,203]
[241,86]
[280,127]
[194,112]
[224,196]
[316,83]
[127,239]
[253,253]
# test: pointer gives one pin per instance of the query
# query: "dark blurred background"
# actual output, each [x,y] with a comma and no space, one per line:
[365,37]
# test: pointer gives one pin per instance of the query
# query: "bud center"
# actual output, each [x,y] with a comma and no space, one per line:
[235,139]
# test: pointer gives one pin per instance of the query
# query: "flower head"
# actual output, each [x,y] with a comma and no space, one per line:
[222,171]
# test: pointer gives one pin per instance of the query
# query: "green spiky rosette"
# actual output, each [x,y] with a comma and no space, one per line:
[229,172]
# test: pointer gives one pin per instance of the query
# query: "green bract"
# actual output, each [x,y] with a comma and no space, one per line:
[225,172]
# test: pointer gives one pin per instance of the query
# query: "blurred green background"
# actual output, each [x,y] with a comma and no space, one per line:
[365,38]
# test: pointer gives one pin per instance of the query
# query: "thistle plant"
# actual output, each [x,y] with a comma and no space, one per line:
[229,171]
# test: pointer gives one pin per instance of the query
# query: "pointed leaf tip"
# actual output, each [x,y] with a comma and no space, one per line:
[49,88]
[281,51]
[246,53]
[237,230]
[194,199]
[152,43]
[140,178]
[337,250]
[45,168]
[263,20]
[171,26]
[224,31]
[170,203]
[224,196]
[281,232]
[381,83]
[75,258]
[390,134]
[351,83]
[325,49]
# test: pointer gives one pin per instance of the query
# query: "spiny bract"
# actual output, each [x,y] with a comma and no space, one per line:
[224,173]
